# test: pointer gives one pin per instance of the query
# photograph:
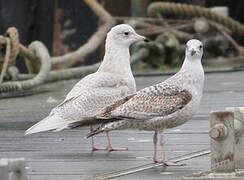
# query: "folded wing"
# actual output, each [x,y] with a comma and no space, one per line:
[146,105]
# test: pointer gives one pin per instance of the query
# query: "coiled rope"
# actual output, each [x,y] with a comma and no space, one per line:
[41,52]
[6,60]
[33,61]
[12,51]
[194,11]
[45,75]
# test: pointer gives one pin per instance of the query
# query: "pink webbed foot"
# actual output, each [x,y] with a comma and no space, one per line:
[98,149]
[168,163]
[93,143]
[95,148]
[164,161]
[110,148]
[116,149]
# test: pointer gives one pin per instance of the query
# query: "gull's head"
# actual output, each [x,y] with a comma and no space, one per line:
[194,49]
[123,35]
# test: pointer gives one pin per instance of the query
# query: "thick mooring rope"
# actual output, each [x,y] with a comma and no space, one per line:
[34,61]
[12,51]
[13,35]
[6,60]
[41,51]
[64,74]
[195,11]
[94,41]
[38,55]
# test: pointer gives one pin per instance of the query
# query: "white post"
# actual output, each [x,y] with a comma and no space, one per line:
[15,169]
[3,170]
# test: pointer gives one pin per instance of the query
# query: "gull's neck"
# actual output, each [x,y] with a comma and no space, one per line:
[192,64]
[116,59]
[193,71]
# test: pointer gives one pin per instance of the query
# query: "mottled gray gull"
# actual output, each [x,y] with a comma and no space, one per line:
[165,105]
[112,81]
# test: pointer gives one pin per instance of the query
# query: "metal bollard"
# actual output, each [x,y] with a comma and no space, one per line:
[227,146]
[239,136]
[218,132]
[222,141]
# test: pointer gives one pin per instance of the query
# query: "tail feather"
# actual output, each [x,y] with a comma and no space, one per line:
[52,122]
[86,121]
[56,123]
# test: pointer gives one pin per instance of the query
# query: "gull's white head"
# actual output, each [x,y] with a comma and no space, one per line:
[123,35]
[194,49]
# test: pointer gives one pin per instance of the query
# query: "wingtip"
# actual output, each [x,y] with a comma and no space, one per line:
[26,133]
[29,132]
[97,131]
[90,134]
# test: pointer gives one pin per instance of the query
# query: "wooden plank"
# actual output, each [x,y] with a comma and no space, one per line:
[69,151]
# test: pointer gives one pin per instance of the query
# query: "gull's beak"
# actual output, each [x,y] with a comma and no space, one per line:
[193,52]
[141,38]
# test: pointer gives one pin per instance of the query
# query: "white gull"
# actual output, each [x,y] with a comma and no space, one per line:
[112,81]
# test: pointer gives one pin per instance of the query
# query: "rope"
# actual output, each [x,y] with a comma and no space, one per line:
[38,54]
[41,51]
[79,72]
[196,11]
[6,60]
[70,58]
[34,60]
[13,51]
[93,43]
[13,34]
[64,74]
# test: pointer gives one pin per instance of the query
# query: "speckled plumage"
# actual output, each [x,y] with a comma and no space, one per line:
[164,105]
[112,81]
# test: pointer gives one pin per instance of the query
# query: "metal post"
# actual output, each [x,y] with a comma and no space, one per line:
[222,141]
[227,146]
[239,138]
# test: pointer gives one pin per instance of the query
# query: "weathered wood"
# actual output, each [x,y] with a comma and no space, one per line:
[66,155]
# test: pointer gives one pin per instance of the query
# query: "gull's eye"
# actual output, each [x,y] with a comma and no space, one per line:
[200,47]
[126,33]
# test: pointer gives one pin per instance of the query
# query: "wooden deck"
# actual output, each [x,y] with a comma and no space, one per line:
[66,155]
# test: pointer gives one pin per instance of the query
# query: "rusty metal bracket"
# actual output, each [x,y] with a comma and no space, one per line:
[239,138]
[222,141]
[227,146]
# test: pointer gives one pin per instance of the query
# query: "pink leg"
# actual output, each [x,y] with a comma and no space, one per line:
[155,141]
[93,143]
[110,148]
[164,159]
